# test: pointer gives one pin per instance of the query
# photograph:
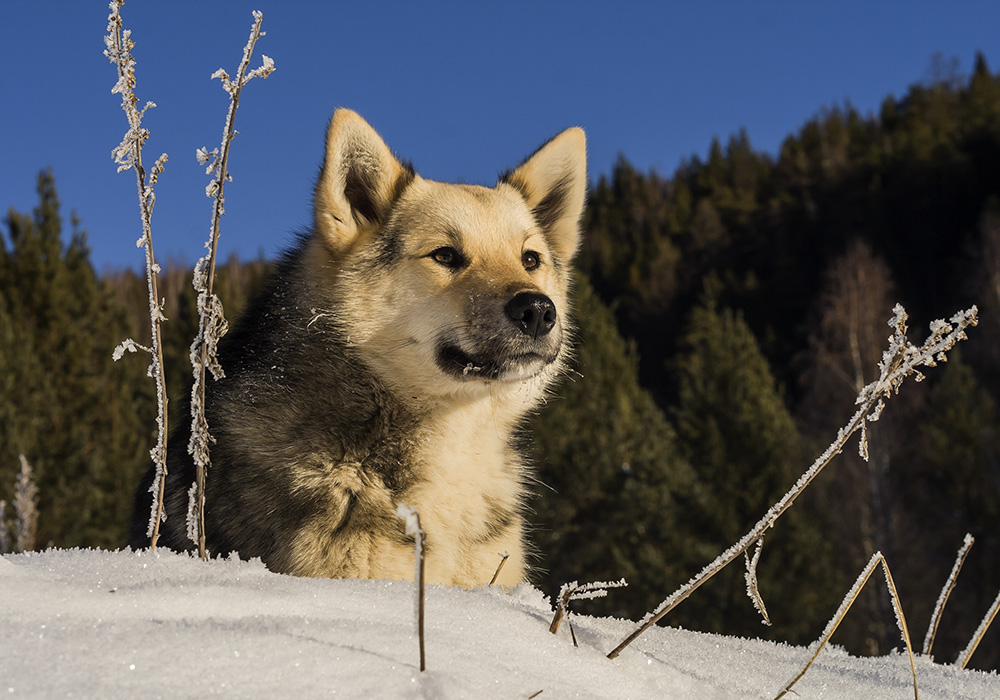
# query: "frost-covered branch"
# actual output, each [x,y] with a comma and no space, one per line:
[899,361]
[412,518]
[945,593]
[966,655]
[845,605]
[751,578]
[569,592]
[212,324]
[128,154]
[496,574]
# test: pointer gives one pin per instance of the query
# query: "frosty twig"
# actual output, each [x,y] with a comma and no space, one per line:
[945,593]
[496,574]
[966,655]
[212,323]
[412,518]
[898,362]
[846,604]
[575,591]
[751,578]
[128,154]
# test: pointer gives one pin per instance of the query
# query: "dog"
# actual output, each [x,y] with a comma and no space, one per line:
[392,360]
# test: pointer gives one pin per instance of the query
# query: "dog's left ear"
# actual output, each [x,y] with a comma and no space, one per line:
[553,181]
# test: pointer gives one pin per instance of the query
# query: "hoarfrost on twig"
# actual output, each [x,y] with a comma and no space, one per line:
[128,155]
[128,345]
[945,593]
[412,519]
[845,605]
[751,578]
[963,658]
[212,322]
[575,591]
[504,556]
[192,513]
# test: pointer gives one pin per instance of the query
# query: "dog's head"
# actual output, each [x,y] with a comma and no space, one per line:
[445,288]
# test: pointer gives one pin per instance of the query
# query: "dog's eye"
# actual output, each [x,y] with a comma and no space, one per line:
[447,256]
[530,259]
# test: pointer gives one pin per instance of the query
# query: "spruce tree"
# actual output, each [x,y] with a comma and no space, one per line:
[736,433]
[82,422]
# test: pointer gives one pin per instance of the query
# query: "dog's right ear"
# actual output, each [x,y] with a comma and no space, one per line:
[359,181]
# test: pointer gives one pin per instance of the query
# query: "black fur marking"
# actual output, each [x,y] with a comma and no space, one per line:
[455,361]
[359,188]
[350,509]
[553,205]
[404,180]
[499,521]
[507,177]
[387,249]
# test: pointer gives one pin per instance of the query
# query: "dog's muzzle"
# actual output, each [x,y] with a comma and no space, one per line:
[515,346]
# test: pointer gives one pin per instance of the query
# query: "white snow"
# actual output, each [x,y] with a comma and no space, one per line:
[97,624]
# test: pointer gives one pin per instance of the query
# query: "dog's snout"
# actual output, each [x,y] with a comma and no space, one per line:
[533,313]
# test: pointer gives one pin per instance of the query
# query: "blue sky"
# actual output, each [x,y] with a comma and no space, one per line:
[463,90]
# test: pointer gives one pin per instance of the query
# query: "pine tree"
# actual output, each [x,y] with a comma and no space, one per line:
[736,433]
[82,422]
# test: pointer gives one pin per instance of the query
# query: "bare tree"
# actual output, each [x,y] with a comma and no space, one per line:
[843,358]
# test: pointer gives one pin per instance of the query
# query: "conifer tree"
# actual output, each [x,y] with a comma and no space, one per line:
[81,422]
[736,433]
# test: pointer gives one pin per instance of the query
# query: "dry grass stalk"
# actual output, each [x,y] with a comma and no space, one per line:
[751,578]
[574,591]
[128,154]
[212,323]
[945,593]
[496,574]
[898,362]
[848,601]
[412,518]
[966,655]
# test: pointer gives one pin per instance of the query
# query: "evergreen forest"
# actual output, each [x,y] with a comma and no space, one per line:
[726,315]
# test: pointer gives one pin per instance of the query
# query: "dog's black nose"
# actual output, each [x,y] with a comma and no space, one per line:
[533,313]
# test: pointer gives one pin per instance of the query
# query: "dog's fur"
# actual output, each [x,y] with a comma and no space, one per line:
[392,360]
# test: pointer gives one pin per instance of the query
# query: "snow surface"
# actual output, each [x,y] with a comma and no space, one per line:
[97,624]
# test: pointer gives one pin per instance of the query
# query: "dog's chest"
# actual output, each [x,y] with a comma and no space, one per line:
[468,494]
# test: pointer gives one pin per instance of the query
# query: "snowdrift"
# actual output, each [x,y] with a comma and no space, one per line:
[85,623]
